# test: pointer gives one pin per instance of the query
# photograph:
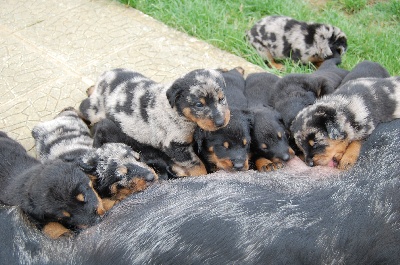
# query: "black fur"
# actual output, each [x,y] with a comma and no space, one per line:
[366,69]
[246,218]
[46,192]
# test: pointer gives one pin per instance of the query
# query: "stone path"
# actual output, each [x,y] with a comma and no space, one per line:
[51,51]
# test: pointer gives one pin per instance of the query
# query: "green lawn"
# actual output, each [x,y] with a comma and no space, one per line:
[372,26]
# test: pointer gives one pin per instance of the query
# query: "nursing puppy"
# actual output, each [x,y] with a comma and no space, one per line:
[366,69]
[330,132]
[57,195]
[227,148]
[241,218]
[114,168]
[294,92]
[279,37]
[162,116]
[269,145]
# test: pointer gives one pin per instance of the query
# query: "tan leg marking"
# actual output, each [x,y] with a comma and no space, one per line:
[264,165]
[350,156]
[55,230]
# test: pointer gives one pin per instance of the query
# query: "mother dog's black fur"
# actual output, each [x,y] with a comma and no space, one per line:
[242,218]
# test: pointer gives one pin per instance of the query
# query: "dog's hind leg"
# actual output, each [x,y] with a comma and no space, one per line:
[350,156]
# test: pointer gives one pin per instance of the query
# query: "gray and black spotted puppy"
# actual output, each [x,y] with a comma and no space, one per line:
[330,132]
[115,167]
[279,37]
[162,116]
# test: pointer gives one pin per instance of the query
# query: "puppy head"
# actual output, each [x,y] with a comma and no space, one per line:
[117,170]
[337,43]
[199,96]
[227,148]
[61,192]
[269,136]
[320,133]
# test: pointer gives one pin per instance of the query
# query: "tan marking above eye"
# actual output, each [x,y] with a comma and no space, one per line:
[80,197]
[66,214]
[203,101]
[244,141]
[311,142]
[279,135]
[211,149]
[263,146]
[226,144]
[122,170]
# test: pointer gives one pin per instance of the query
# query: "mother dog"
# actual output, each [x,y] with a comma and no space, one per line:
[162,116]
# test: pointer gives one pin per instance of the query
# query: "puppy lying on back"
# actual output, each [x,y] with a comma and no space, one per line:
[366,69]
[228,148]
[269,144]
[279,37]
[162,116]
[115,167]
[294,92]
[330,132]
[57,195]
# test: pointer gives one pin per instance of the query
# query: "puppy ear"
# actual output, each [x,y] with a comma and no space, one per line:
[175,91]
[199,136]
[323,86]
[333,130]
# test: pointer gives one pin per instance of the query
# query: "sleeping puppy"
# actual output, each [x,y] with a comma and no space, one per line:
[227,148]
[106,131]
[279,37]
[57,195]
[259,87]
[241,218]
[235,85]
[366,69]
[115,168]
[162,116]
[294,92]
[330,132]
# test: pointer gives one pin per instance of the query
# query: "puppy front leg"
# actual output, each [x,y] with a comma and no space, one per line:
[265,165]
[55,230]
[350,156]
[187,162]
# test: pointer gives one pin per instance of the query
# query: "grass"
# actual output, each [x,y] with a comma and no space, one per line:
[372,26]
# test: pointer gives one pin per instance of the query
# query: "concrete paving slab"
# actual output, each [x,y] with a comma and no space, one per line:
[53,50]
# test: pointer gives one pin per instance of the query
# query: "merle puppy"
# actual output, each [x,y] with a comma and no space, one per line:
[57,195]
[162,116]
[279,37]
[242,218]
[115,168]
[330,132]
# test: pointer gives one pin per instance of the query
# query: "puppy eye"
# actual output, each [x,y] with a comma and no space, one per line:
[222,100]
[199,105]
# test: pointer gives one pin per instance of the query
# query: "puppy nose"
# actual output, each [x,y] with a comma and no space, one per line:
[285,157]
[310,163]
[220,121]
[149,177]
[238,165]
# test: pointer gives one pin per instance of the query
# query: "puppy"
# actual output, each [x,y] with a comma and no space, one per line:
[162,116]
[114,168]
[227,148]
[366,69]
[294,92]
[106,131]
[57,195]
[241,218]
[269,146]
[279,37]
[235,85]
[330,131]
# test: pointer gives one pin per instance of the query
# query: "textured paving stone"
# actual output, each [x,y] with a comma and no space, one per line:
[51,51]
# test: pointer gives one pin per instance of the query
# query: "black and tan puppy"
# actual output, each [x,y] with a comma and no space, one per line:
[294,92]
[330,132]
[366,69]
[279,37]
[269,145]
[57,195]
[115,168]
[241,218]
[162,116]
[235,85]
[227,148]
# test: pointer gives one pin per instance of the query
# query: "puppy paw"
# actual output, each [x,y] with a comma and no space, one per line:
[108,203]
[265,165]
[350,156]
[55,230]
